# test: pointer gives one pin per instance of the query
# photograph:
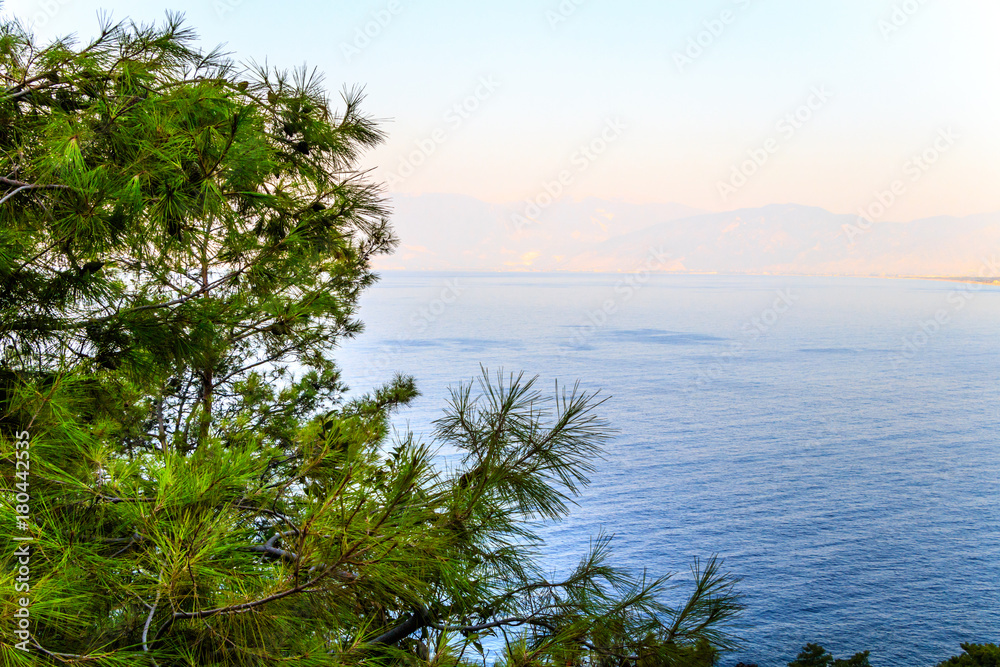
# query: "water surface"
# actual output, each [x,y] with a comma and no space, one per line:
[835,440]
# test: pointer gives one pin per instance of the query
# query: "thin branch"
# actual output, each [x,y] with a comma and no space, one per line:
[33,187]
[240,608]
[149,619]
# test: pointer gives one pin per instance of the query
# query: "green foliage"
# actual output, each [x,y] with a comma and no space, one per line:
[975,655]
[159,211]
[814,655]
[182,246]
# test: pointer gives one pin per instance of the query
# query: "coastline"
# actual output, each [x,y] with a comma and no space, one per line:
[988,280]
[957,279]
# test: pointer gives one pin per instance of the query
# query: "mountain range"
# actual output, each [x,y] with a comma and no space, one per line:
[446,232]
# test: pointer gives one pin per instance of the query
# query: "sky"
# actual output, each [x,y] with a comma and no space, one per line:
[718,105]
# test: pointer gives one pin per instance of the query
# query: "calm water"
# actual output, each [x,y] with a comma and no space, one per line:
[830,438]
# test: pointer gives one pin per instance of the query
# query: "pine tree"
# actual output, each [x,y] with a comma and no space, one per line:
[975,655]
[182,245]
[814,655]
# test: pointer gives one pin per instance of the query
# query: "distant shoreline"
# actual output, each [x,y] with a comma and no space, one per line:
[989,280]
[958,279]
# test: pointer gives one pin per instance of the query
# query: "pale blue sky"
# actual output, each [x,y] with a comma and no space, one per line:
[557,83]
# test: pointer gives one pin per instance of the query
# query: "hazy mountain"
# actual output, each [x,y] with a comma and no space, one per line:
[442,231]
[453,232]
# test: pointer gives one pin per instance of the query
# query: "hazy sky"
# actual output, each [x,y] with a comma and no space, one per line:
[825,103]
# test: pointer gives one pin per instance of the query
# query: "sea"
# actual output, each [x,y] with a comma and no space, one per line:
[835,440]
